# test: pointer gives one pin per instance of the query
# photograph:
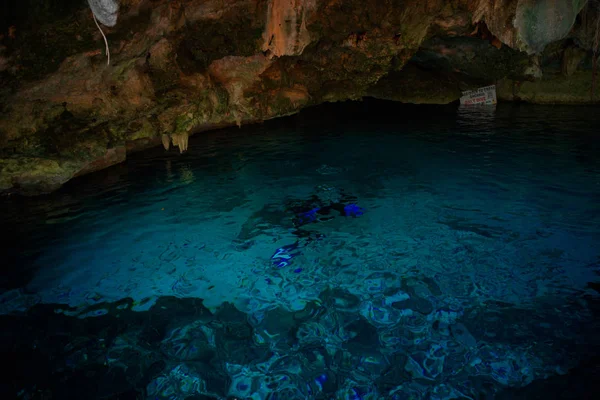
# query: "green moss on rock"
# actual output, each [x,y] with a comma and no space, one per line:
[551,89]
[222,96]
[184,123]
[34,175]
[141,129]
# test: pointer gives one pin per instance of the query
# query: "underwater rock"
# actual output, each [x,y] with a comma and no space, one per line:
[193,342]
[179,382]
[446,315]
[418,325]
[363,335]
[462,335]
[394,296]
[381,315]
[415,303]
[313,309]
[425,365]
[339,299]
[396,373]
[319,352]
[278,328]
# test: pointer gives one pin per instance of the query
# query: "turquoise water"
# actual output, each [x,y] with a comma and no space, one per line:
[355,251]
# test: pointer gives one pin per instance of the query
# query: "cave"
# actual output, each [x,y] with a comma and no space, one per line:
[300,199]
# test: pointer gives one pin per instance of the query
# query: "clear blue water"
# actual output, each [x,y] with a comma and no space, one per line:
[355,251]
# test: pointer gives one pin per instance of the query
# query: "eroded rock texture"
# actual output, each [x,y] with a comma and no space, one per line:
[184,66]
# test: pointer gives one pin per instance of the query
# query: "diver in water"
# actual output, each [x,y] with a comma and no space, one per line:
[308,212]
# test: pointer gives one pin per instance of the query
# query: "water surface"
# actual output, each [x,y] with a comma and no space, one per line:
[354,251]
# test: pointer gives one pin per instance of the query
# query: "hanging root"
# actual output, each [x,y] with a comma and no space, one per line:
[105,41]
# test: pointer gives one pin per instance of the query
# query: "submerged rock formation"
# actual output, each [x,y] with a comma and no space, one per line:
[183,66]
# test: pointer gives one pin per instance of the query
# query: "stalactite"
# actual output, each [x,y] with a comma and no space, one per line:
[180,140]
[166,141]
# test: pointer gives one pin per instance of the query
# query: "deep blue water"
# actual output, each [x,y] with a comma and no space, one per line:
[354,251]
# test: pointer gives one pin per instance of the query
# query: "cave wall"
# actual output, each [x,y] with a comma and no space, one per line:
[184,66]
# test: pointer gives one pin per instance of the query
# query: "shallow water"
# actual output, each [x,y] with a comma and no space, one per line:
[354,251]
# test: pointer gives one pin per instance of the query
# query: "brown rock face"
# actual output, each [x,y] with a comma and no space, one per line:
[286,33]
[183,66]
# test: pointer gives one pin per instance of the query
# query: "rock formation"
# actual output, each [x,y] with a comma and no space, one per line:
[184,66]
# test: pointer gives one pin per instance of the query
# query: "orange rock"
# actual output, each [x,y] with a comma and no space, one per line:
[496,43]
[93,53]
[286,33]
